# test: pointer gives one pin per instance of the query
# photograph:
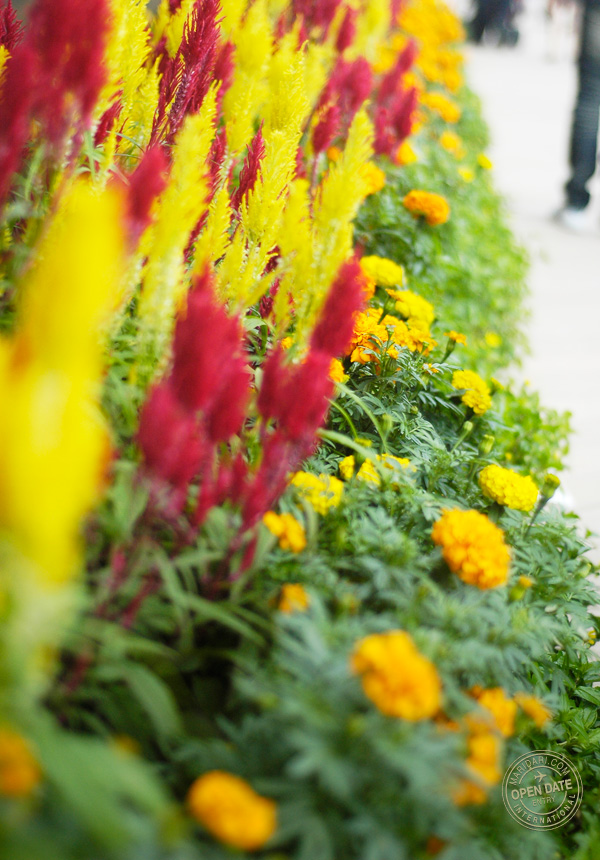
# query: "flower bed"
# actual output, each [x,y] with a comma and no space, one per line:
[280,573]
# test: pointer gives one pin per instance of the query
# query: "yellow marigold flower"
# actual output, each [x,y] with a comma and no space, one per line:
[416,339]
[373,177]
[384,272]
[346,467]
[367,330]
[433,207]
[473,547]
[368,471]
[525,581]
[484,161]
[502,709]
[452,80]
[492,339]
[405,154]
[508,488]
[442,105]
[534,708]
[451,142]
[592,637]
[396,676]
[290,532]
[293,598]
[483,761]
[429,368]
[322,492]
[19,771]
[477,394]
[466,174]
[456,336]
[286,342]
[336,371]
[231,810]
[417,311]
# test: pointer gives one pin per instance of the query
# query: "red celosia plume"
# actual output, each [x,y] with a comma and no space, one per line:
[346,297]
[250,170]
[326,129]
[145,184]
[11,29]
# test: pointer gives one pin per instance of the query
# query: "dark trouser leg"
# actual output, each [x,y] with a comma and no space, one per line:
[490,13]
[584,130]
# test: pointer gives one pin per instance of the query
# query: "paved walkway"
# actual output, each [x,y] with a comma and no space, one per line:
[527,101]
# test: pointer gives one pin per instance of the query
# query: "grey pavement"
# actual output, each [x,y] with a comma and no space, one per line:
[527,94]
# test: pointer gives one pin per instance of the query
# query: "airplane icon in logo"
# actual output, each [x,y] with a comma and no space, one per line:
[539,776]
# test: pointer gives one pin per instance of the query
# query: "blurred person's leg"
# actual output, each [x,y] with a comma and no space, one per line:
[584,130]
[490,14]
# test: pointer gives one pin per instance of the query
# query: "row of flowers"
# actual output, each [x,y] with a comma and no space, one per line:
[198,340]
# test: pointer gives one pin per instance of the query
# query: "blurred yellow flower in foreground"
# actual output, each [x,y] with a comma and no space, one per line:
[19,771]
[53,442]
[534,708]
[396,676]
[502,708]
[293,598]
[232,811]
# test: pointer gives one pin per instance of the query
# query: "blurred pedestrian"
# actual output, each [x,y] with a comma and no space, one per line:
[496,17]
[584,128]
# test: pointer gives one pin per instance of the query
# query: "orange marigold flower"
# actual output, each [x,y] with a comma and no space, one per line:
[477,394]
[456,336]
[405,154]
[231,810]
[19,771]
[433,207]
[534,708]
[473,547]
[290,532]
[336,370]
[415,339]
[367,331]
[483,761]
[293,598]
[508,488]
[502,709]
[396,676]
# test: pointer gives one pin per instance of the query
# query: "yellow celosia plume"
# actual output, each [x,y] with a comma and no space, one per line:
[53,442]
[165,280]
